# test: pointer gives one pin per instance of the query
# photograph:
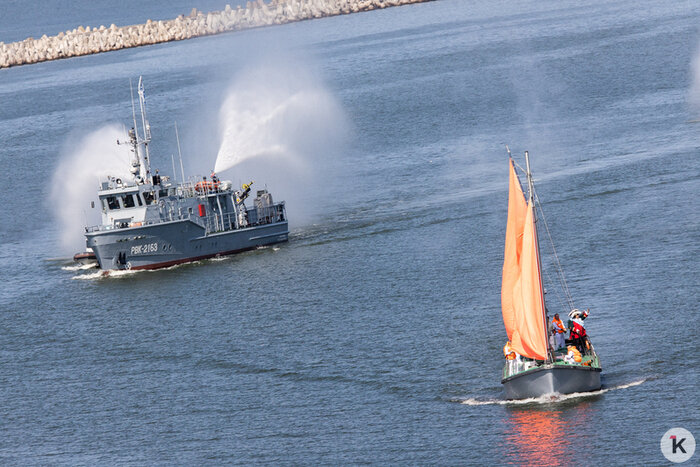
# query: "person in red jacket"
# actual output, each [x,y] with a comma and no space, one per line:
[578,332]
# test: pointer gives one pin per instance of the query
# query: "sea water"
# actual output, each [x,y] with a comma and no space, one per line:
[375,334]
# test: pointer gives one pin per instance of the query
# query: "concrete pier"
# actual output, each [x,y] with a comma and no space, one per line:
[85,41]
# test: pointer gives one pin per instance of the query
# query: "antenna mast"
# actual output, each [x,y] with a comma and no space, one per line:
[146,129]
[134,141]
[179,152]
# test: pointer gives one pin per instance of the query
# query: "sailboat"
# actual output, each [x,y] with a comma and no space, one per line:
[536,367]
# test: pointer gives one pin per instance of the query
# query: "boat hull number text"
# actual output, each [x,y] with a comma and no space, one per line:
[143,249]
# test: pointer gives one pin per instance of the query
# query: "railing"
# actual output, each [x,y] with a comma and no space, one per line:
[513,367]
[212,222]
[251,217]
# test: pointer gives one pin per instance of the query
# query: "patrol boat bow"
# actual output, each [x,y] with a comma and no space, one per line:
[533,367]
[153,222]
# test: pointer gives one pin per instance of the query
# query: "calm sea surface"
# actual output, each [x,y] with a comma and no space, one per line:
[375,334]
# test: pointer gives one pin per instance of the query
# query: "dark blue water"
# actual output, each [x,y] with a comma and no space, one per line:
[374,335]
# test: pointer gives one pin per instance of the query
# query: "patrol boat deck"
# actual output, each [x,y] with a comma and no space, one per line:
[153,222]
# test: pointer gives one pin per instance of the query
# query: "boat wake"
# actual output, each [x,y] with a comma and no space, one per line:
[550,398]
[100,274]
[79,267]
[121,273]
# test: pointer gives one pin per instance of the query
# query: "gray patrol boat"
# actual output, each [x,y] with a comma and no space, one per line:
[539,360]
[153,222]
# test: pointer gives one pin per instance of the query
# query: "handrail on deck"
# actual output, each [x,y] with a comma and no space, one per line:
[212,222]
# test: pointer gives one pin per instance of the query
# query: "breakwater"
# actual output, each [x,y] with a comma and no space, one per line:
[85,41]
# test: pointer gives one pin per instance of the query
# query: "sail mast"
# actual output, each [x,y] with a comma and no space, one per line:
[531,204]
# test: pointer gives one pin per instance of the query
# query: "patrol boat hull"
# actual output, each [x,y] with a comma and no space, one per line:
[169,243]
[551,379]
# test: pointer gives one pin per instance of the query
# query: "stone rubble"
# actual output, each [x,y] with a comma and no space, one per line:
[86,40]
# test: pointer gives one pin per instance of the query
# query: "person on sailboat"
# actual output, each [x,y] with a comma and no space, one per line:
[558,331]
[573,355]
[511,355]
[577,336]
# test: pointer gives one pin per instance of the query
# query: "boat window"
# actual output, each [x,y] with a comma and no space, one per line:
[112,202]
[138,198]
[128,201]
[149,197]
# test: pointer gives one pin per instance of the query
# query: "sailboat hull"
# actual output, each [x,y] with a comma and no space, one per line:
[550,379]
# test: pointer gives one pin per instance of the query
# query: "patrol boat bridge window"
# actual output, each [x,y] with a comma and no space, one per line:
[149,197]
[128,201]
[112,202]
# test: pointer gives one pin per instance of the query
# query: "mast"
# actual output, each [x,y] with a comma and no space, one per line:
[531,203]
[179,152]
[146,129]
[134,138]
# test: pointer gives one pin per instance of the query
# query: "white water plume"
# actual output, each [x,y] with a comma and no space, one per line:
[83,164]
[694,94]
[279,125]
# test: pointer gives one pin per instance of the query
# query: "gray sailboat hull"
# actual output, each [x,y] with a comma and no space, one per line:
[168,243]
[549,379]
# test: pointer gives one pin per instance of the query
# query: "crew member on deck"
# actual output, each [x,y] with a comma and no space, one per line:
[578,332]
[214,178]
[511,356]
[573,355]
[558,332]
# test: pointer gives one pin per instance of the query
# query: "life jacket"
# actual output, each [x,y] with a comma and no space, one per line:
[508,352]
[558,326]
[577,330]
[204,186]
[576,354]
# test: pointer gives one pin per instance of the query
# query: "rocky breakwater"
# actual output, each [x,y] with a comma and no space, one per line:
[85,41]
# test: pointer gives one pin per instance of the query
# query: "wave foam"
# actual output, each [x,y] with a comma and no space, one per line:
[106,274]
[79,267]
[549,398]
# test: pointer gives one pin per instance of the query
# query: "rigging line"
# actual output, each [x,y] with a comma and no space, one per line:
[560,272]
[556,293]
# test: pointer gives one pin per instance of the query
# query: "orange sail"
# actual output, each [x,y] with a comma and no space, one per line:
[521,291]
[517,207]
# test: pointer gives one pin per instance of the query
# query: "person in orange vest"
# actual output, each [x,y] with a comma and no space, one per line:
[512,357]
[558,332]
[573,356]
[508,352]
